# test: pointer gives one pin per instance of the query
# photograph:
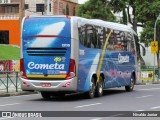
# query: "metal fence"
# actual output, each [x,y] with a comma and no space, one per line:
[9,81]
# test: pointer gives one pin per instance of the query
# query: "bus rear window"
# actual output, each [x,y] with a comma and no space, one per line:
[46,32]
[46,27]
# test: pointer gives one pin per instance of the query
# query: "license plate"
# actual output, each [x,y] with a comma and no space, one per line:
[46,84]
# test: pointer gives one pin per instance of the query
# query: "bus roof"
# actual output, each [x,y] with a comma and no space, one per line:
[116,26]
[111,25]
[98,22]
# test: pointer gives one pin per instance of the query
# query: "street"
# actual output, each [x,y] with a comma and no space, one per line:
[143,98]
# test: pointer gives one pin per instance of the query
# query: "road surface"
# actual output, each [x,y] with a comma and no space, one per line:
[116,101]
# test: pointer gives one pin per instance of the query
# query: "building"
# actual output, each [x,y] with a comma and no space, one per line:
[12,12]
[37,7]
[65,7]
[56,7]
[10,17]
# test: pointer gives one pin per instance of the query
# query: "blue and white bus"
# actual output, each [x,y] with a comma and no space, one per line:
[66,54]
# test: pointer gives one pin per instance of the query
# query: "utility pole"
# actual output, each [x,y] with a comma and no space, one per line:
[46,6]
[21,10]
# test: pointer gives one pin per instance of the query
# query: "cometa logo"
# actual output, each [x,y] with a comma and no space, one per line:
[123,59]
[56,66]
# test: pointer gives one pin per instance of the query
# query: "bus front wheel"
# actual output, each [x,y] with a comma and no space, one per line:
[99,87]
[131,86]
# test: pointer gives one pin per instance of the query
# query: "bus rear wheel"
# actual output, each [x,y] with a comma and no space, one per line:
[91,93]
[131,86]
[46,95]
[99,88]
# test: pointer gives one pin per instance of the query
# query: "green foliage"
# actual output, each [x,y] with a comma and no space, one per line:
[120,5]
[144,13]
[96,9]
[147,14]
[117,5]
[9,52]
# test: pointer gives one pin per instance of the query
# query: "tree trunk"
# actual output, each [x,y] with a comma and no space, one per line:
[134,20]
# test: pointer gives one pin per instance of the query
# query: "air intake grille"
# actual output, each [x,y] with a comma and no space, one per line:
[46,51]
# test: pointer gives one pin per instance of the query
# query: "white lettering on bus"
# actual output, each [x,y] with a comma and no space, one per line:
[56,66]
[123,59]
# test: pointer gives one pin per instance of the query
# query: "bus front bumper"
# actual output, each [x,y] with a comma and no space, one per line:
[49,85]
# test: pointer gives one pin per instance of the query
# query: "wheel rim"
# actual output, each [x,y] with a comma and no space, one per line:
[100,88]
[92,88]
[132,83]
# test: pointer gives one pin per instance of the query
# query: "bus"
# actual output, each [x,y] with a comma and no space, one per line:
[67,54]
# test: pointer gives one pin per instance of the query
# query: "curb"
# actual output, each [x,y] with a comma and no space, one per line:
[16,93]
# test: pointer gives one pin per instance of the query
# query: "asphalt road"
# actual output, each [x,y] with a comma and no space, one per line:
[143,98]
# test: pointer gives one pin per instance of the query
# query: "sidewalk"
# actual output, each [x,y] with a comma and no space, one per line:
[11,88]
[12,92]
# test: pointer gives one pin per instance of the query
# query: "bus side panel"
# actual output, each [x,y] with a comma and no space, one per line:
[118,68]
[88,64]
[75,44]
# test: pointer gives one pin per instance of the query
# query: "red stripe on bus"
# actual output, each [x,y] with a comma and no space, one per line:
[46,36]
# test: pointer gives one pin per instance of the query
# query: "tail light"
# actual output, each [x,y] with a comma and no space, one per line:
[23,74]
[72,70]
[26,17]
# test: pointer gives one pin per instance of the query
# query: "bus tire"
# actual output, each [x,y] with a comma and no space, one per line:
[99,88]
[131,86]
[91,93]
[46,95]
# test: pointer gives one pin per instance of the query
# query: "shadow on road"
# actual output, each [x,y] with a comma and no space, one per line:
[81,96]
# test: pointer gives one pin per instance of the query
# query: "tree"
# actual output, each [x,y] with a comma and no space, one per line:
[130,6]
[96,9]
[147,14]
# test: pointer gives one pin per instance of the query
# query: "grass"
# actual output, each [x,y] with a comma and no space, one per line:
[8,52]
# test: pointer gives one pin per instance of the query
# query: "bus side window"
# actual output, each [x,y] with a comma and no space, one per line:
[111,41]
[94,38]
[85,36]
[99,33]
[120,42]
[81,32]
[89,35]
[125,42]
[99,41]
[88,40]
[128,40]
[131,43]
